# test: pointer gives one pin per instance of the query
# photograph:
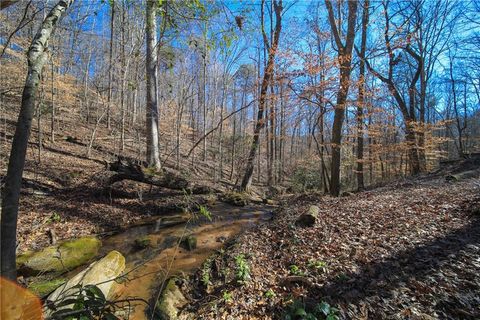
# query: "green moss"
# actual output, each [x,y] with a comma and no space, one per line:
[22,258]
[151,171]
[240,199]
[43,288]
[211,199]
[189,243]
[60,258]
[143,242]
[170,301]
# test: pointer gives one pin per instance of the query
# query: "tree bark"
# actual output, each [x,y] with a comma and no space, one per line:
[110,66]
[361,97]
[153,153]
[37,56]
[345,61]
[260,123]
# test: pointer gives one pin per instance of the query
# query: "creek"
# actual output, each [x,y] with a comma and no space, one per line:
[162,256]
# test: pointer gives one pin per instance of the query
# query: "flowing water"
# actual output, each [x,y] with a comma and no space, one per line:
[148,268]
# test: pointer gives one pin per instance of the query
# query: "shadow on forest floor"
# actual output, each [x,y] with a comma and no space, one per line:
[441,273]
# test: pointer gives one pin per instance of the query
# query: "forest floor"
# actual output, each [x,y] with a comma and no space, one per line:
[409,250]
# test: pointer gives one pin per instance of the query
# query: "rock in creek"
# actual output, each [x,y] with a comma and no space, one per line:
[100,273]
[189,242]
[171,300]
[59,258]
[239,199]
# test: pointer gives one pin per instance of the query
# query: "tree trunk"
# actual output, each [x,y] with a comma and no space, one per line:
[345,61]
[110,67]
[37,56]
[361,97]
[52,119]
[153,153]
[124,79]
[412,149]
[247,178]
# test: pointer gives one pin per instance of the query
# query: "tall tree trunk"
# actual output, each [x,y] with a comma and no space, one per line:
[37,56]
[457,116]
[110,66]
[408,111]
[421,132]
[268,73]
[361,97]
[281,147]
[345,61]
[124,80]
[52,118]
[412,147]
[204,91]
[271,141]
[153,153]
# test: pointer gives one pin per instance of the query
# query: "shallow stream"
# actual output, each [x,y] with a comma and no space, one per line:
[147,268]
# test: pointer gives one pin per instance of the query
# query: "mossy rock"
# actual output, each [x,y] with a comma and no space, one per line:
[45,287]
[60,258]
[211,199]
[143,242]
[275,191]
[239,199]
[189,243]
[171,300]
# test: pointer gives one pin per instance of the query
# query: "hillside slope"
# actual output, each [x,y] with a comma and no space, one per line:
[405,251]
[64,190]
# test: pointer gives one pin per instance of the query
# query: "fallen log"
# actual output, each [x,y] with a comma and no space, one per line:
[463,175]
[165,178]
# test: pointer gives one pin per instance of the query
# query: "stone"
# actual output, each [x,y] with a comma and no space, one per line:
[309,218]
[189,243]
[211,199]
[100,273]
[143,242]
[239,199]
[171,300]
[59,258]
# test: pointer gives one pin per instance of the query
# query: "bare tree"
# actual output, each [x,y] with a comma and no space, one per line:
[267,76]
[345,63]
[37,56]
[153,153]
[361,96]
